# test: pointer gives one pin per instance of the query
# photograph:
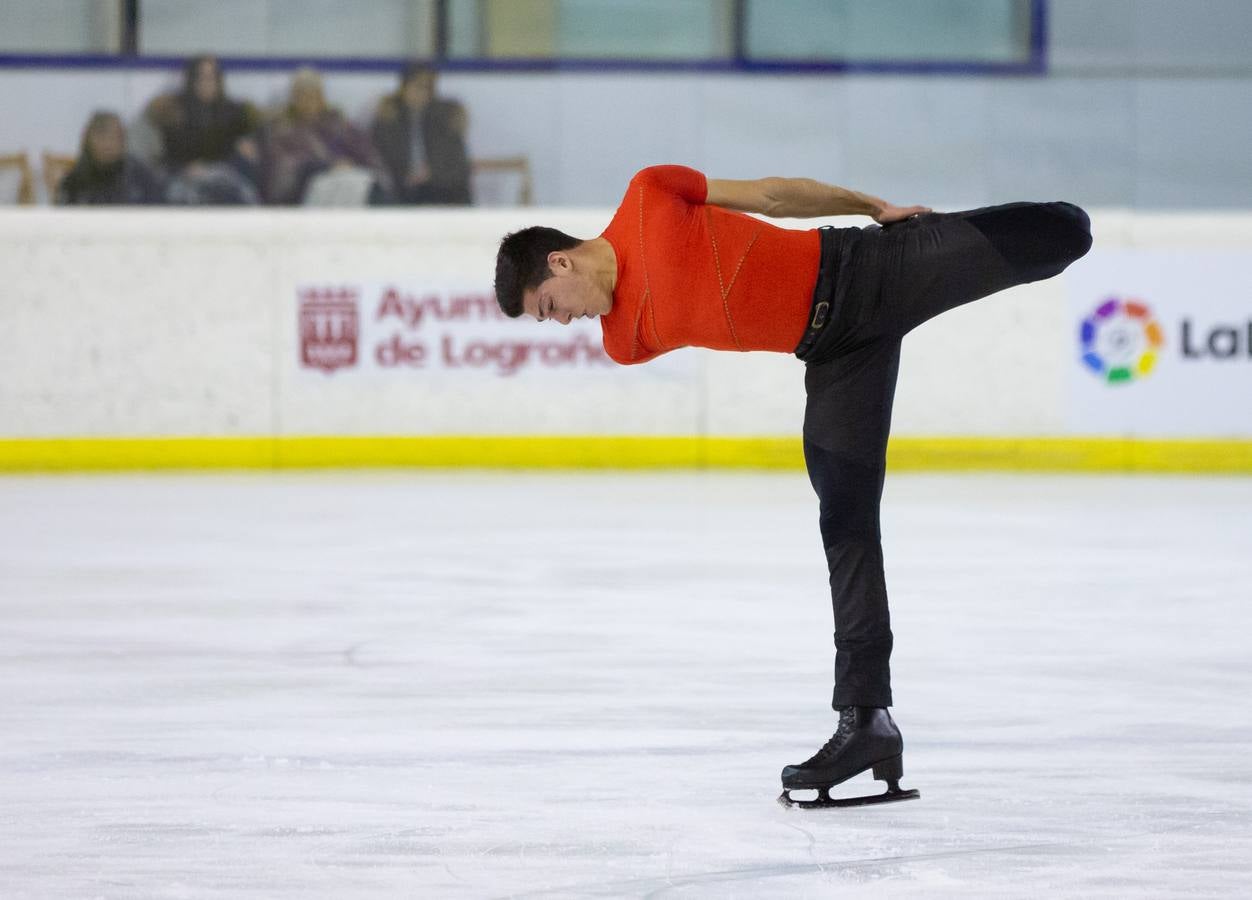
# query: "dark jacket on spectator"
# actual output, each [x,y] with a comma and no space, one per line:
[127,181]
[442,137]
[192,131]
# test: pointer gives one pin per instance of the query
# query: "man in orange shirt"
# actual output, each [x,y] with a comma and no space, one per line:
[680,264]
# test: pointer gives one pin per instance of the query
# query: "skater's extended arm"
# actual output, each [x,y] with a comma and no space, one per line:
[803,198]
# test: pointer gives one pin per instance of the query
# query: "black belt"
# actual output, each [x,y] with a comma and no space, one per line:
[823,291]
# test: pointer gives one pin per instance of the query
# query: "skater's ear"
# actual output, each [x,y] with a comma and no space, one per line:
[560,263]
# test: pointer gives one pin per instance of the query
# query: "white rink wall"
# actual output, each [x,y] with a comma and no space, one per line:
[178,323]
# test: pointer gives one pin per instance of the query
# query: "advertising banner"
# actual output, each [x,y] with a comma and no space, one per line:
[1161,344]
[441,328]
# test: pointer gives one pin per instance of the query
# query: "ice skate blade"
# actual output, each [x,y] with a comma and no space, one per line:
[825,801]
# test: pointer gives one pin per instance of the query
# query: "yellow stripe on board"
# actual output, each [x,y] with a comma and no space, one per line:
[912,454]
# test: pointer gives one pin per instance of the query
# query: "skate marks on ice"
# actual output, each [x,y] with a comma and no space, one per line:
[877,869]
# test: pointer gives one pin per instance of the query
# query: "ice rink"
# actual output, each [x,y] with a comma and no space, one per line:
[493,685]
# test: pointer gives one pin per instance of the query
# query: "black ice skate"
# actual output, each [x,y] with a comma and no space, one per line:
[866,738]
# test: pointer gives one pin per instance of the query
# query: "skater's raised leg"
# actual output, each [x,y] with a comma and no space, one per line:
[945,260]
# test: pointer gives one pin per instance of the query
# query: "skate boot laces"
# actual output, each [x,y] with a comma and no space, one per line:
[847,725]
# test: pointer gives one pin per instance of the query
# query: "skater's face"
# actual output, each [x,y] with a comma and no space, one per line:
[567,295]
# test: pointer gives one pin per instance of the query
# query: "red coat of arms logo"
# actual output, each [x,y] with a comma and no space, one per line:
[329,327]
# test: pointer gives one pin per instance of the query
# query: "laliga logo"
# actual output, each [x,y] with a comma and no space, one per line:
[1121,340]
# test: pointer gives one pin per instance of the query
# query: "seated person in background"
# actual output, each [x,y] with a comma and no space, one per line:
[313,155]
[104,172]
[204,135]
[422,141]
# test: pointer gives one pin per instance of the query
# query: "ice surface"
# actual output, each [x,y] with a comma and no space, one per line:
[429,685]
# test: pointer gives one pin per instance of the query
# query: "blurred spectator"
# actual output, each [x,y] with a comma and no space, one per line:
[104,173]
[313,155]
[204,135]
[422,141]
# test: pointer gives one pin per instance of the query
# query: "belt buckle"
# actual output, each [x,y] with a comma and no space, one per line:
[819,314]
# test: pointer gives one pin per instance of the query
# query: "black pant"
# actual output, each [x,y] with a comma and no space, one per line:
[879,283]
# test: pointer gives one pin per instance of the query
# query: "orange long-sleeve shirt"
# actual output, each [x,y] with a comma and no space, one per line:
[689,274]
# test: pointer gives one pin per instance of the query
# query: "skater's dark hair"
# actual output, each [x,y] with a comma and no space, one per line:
[522,263]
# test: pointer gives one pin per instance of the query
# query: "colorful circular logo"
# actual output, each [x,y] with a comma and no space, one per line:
[1121,340]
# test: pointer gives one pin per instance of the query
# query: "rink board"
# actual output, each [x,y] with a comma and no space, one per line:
[278,339]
